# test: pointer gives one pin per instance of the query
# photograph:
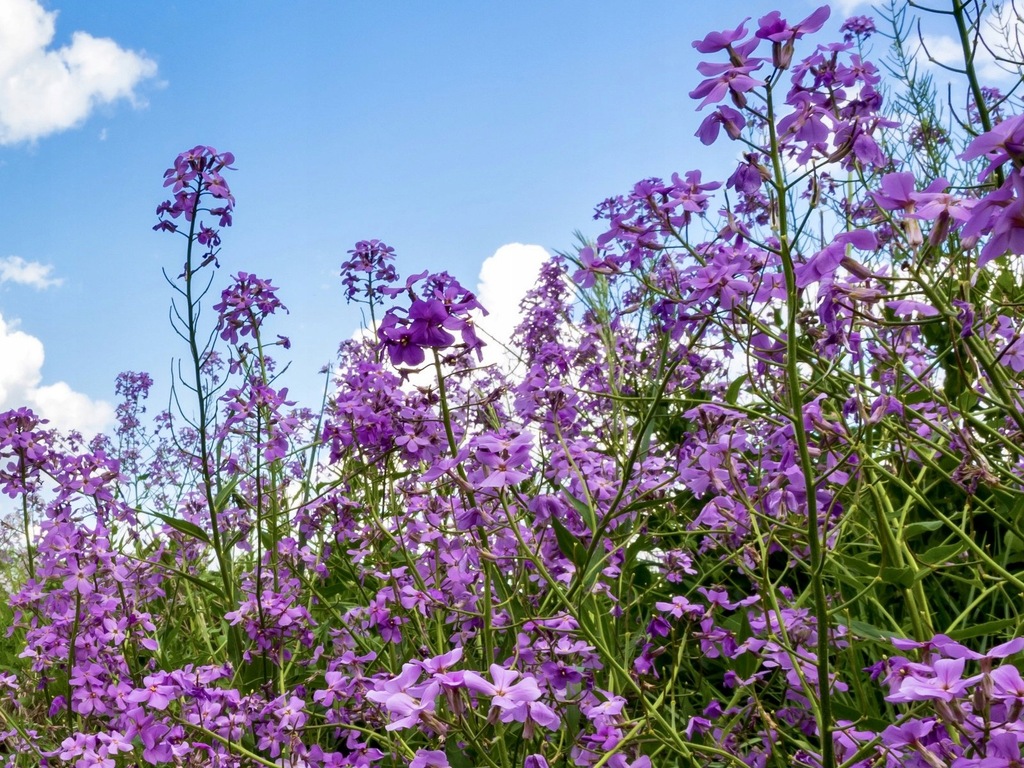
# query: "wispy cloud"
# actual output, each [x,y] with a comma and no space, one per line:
[845,8]
[43,90]
[14,269]
[946,50]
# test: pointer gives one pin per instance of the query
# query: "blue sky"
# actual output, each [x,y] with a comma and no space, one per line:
[447,129]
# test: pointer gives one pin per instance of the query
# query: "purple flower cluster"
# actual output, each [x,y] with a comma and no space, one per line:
[197,174]
[369,272]
[438,309]
[244,306]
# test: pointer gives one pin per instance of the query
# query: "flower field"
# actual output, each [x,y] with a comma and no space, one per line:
[746,487]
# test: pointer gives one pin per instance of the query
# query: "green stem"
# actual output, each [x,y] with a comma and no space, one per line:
[796,416]
[192,323]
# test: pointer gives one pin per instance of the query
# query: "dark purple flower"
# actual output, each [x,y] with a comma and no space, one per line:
[427,324]
[244,305]
[860,27]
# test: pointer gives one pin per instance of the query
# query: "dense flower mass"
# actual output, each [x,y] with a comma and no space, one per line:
[745,492]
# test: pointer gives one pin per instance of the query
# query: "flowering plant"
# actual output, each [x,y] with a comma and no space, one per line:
[749,493]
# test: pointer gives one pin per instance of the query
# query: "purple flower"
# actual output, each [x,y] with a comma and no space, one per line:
[244,305]
[1007,684]
[429,758]
[720,41]
[908,734]
[370,269]
[197,174]
[776,29]
[507,459]
[427,326]
[823,265]
[1004,142]
[505,693]
[725,79]
[860,27]
[156,692]
[407,711]
[560,675]
[397,340]
[680,607]
[1004,222]
[723,117]
[530,714]
[946,684]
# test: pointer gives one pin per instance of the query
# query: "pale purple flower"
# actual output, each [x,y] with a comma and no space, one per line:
[1004,142]
[724,117]
[719,41]
[505,693]
[947,684]
[822,266]
[429,758]
[723,80]
[782,35]
[405,710]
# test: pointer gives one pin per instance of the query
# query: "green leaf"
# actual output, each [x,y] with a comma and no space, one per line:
[899,577]
[457,756]
[183,526]
[572,720]
[570,545]
[844,711]
[916,397]
[943,554]
[1017,510]
[645,439]
[205,585]
[988,628]
[220,501]
[967,400]
[861,565]
[1007,283]
[585,510]
[733,392]
[592,571]
[864,629]
[916,529]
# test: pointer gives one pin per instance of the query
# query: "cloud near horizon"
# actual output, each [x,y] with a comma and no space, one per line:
[44,90]
[21,386]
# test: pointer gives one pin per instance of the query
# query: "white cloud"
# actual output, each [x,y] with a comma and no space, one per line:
[43,91]
[504,280]
[14,269]
[948,51]
[21,386]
